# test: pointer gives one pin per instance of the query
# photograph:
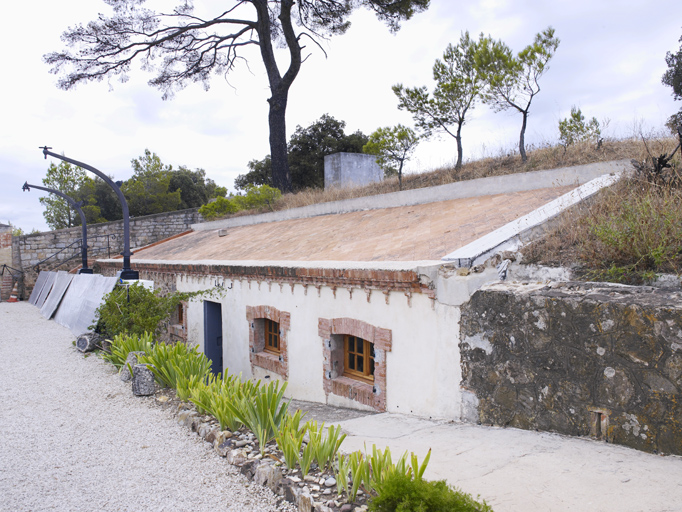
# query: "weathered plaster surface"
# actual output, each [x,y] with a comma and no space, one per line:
[422,368]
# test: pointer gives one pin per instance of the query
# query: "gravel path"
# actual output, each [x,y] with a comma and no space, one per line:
[73,437]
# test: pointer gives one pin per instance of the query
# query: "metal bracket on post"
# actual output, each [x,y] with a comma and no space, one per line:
[126,272]
[77,206]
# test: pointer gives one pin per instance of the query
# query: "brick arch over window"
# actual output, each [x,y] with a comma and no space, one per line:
[331,331]
[257,355]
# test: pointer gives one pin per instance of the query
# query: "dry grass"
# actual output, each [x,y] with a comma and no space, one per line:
[629,233]
[539,158]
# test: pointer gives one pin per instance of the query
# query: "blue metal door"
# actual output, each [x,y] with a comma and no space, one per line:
[213,335]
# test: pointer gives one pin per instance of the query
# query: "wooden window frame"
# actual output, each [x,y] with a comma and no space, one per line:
[271,333]
[367,374]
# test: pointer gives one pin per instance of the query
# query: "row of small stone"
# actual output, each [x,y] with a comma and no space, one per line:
[307,492]
[315,492]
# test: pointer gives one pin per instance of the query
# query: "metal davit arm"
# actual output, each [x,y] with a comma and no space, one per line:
[76,206]
[126,272]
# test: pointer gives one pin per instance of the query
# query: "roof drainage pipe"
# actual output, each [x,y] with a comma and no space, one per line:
[126,272]
[76,206]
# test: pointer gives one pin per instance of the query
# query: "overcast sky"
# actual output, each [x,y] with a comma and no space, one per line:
[609,63]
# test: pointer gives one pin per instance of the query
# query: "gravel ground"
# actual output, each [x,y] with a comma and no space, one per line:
[73,437]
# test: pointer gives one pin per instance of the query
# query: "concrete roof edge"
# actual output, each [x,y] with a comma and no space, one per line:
[484,246]
[508,183]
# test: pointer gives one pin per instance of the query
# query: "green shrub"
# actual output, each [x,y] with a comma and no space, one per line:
[634,234]
[574,129]
[221,207]
[401,493]
[123,344]
[255,197]
[136,310]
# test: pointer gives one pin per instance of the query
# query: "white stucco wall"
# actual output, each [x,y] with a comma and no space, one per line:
[423,369]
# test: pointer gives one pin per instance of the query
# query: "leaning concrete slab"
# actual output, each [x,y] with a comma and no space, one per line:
[59,288]
[37,288]
[45,291]
[84,296]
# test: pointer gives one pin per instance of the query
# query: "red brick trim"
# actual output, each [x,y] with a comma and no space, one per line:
[179,328]
[386,281]
[5,240]
[257,356]
[330,330]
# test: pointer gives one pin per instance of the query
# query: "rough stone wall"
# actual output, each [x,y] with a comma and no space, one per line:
[143,231]
[577,358]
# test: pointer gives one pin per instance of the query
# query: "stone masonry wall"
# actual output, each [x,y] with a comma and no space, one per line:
[143,231]
[579,359]
[30,249]
[5,245]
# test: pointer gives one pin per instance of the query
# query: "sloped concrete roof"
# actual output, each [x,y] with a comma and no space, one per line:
[406,233]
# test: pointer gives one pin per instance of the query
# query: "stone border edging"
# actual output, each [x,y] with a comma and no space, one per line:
[262,473]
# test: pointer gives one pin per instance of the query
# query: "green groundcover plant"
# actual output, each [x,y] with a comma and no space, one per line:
[401,493]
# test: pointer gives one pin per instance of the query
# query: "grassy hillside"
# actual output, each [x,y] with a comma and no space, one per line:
[629,233]
[546,157]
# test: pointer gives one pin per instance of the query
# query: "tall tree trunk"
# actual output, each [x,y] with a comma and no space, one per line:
[281,178]
[458,138]
[400,175]
[522,141]
[279,86]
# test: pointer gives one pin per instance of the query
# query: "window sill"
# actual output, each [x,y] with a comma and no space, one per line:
[356,390]
[269,361]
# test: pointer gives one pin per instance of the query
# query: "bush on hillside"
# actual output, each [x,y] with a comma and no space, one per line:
[255,198]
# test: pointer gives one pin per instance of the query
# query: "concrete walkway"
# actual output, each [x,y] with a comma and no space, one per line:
[516,470]
[513,470]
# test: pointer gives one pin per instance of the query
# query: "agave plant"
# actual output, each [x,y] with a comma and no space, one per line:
[123,344]
[177,366]
[290,438]
[262,413]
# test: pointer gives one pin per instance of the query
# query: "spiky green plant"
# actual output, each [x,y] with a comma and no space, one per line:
[290,438]
[324,444]
[360,473]
[123,344]
[219,394]
[263,412]
[177,366]
[341,473]
[306,457]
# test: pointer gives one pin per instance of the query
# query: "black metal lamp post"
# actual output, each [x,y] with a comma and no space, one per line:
[126,272]
[77,207]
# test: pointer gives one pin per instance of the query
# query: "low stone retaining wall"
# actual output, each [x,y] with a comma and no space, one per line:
[143,231]
[577,358]
[28,250]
